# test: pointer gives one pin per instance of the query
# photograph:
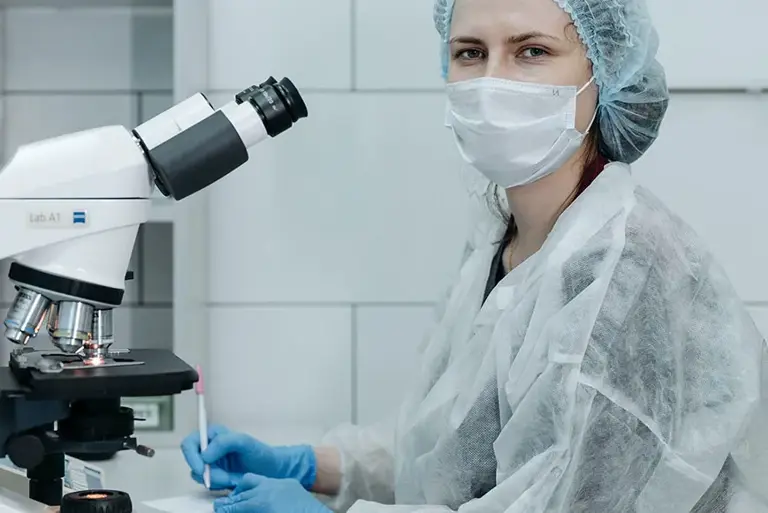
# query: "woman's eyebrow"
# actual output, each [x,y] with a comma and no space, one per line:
[466,40]
[521,38]
[516,39]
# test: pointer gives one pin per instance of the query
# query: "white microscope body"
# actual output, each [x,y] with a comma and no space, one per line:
[71,208]
[72,205]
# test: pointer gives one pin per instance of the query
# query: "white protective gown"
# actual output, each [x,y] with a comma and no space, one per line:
[616,370]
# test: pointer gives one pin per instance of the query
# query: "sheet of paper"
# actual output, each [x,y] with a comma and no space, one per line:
[198,503]
[80,475]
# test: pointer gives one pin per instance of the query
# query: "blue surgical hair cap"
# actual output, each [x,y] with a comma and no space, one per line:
[621,44]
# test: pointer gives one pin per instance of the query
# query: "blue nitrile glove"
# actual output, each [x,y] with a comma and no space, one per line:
[258,494]
[232,455]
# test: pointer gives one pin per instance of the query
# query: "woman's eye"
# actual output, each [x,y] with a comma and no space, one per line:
[469,54]
[533,53]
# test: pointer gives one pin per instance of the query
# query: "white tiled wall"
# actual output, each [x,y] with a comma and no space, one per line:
[328,250]
[282,365]
[71,69]
[308,41]
[405,57]
[360,205]
[368,210]
[694,59]
[88,49]
[387,349]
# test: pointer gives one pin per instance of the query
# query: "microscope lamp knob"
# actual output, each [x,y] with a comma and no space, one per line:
[96,501]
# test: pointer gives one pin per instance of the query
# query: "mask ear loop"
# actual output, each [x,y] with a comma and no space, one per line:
[594,116]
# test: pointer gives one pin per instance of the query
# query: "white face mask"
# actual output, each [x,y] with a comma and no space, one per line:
[514,132]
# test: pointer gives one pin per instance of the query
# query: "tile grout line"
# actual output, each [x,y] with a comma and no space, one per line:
[129,304]
[3,102]
[86,92]
[353,89]
[3,83]
[322,304]
[138,246]
[139,108]
[395,304]
[319,304]
[353,44]
[354,381]
[139,276]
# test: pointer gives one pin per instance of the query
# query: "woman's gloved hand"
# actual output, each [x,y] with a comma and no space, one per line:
[232,455]
[258,494]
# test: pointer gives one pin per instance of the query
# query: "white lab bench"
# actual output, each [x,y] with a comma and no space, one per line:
[166,474]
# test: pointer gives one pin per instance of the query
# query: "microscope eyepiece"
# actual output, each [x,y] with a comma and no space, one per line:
[279,104]
[190,146]
[293,99]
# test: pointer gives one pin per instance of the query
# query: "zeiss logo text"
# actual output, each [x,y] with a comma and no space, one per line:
[79,217]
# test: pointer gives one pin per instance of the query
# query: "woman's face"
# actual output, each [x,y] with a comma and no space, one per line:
[524,41]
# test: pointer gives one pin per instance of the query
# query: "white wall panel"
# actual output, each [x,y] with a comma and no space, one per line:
[89,49]
[138,327]
[72,49]
[360,202]
[388,358]
[396,46]
[309,42]
[3,59]
[279,366]
[708,166]
[151,49]
[156,276]
[33,117]
[712,44]
[152,104]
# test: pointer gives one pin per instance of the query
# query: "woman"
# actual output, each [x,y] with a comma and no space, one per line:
[597,359]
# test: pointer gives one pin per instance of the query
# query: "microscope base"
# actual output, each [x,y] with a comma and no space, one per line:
[86,406]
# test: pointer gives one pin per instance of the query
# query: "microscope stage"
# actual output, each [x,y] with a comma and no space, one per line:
[160,373]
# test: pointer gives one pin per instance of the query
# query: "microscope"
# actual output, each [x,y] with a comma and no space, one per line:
[73,206]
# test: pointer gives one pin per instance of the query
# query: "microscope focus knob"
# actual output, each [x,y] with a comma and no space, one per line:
[96,501]
[26,451]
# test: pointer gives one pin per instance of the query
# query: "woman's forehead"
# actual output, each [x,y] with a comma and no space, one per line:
[479,17]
